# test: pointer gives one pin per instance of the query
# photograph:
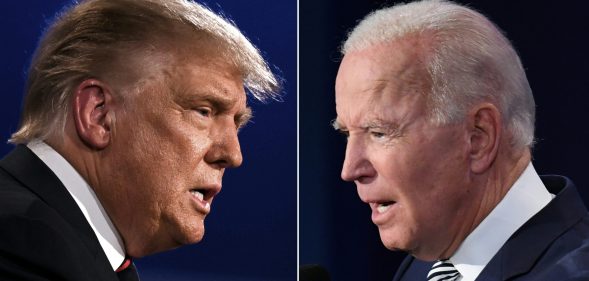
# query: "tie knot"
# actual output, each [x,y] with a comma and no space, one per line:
[443,270]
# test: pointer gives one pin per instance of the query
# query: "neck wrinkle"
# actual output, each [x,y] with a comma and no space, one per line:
[493,189]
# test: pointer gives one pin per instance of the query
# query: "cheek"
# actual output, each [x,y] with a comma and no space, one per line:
[173,145]
[421,176]
[440,181]
[156,159]
[404,169]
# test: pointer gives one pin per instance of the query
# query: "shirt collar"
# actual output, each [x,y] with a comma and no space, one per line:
[86,199]
[525,198]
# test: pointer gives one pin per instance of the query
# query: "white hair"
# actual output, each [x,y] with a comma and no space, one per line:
[95,36]
[468,58]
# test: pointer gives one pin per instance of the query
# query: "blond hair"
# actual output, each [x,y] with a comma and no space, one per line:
[90,38]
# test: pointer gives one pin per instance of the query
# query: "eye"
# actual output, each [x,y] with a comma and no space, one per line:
[378,135]
[204,111]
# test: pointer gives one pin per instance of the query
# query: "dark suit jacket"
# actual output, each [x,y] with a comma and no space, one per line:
[552,245]
[43,233]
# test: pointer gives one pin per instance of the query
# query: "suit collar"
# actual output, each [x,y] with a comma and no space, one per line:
[521,251]
[29,170]
[86,199]
[526,197]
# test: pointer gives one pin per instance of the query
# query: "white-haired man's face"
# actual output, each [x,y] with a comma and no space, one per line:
[412,173]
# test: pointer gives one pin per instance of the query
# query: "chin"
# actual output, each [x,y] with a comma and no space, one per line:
[191,235]
[391,239]
[393,246]
[390,243]
[166,240]
[196,237]
[409,247]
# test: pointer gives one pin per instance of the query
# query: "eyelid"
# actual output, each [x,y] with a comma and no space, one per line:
[379,135]
[205,111]
[383,132]
[344,132]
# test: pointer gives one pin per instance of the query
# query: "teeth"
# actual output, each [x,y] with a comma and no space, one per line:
[198,194]
[382,208]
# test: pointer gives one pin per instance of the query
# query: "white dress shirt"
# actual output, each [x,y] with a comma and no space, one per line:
[84,195]
[527,196]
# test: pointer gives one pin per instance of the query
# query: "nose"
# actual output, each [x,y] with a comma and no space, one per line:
[225,151]
[357,165]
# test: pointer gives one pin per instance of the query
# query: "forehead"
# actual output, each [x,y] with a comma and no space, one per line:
[380,81]
[212,75]
[193,67]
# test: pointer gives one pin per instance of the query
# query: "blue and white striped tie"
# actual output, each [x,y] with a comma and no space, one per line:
[443,270]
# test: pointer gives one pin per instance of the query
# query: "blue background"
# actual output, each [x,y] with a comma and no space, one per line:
[335,226]
[251,232]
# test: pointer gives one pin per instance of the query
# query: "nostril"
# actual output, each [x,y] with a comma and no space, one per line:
[364,179]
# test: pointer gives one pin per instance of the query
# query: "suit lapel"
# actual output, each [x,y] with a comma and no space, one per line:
[522,250]
[29,170]
[413,269]
[129,274]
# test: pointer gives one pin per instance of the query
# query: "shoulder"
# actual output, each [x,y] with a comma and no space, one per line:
[412,269]
[36,243]
[567,258]
[15,198]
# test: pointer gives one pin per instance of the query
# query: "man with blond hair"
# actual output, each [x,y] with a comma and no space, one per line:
[439,118]
[130,119]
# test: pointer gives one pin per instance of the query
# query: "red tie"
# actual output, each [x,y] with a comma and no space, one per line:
[124,265]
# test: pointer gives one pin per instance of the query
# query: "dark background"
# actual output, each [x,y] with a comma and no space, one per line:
[251,232]
[335,226]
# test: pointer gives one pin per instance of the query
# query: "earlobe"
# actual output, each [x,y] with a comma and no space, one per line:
[92,106]
[485,136]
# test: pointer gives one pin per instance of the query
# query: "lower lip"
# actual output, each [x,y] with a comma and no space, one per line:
[201,206]
[381,218]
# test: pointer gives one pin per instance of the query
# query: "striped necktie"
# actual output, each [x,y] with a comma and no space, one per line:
[443,270]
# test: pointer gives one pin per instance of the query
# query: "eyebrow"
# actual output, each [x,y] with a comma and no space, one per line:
[222,103]
[337,125]
[219,101]
[380,123]
[243,117]
[372,124]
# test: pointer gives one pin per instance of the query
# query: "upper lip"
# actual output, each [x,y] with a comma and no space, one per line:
[373,198]
[375,205]
[209,191]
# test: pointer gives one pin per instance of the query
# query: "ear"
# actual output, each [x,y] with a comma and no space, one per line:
[92,110]
[485,126]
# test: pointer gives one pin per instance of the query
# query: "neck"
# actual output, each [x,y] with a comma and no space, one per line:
[78,155]
[489,189]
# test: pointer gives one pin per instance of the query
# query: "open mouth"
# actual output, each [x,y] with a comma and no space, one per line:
[200,195]
[383,207]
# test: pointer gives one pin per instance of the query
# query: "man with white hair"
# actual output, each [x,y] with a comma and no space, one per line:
[129,122]
[439,118]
